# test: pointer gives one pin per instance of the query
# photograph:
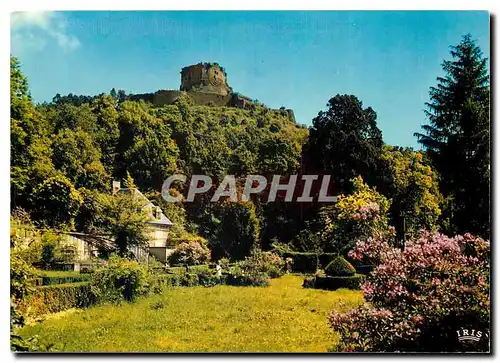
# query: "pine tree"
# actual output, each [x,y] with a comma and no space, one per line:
[457,138]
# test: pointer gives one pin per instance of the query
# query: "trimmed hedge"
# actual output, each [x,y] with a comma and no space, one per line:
[197,278]
[55,298]
[340,267]
[305,262]
[325,259]
[54,280]
[308,262]
[337,282]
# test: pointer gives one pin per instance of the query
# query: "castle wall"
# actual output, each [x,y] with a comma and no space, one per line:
[206,99]
[192,76]
[204,77]
[165,97]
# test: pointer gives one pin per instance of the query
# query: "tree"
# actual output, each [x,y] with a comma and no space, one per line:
[108,130]
[145,146]
[457,138]
[56,202]
[29,143]
[90,214]
[278,156]
[125,219]
[345,141]
[413,187]
[236,231]
[78,157]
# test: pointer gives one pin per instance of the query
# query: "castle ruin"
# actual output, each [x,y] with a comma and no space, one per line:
[206,84]
[205,78]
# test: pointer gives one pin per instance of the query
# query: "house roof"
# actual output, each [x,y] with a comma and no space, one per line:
[162,220]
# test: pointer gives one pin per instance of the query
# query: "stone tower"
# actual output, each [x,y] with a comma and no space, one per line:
[205,78]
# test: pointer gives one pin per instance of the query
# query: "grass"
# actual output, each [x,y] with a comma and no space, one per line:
[283,317]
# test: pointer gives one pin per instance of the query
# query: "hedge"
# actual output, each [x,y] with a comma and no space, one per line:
[305,262]
[326,258]
[337,282]
[340,267]
[198,278]
[54,280]
[308,262]
[55,298]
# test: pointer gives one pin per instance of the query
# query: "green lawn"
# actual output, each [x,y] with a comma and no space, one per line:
[283,317]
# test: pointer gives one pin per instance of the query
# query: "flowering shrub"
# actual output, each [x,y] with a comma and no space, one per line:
[356,216]
[191,251]
[256,269]
[419,297]
[264,262]
[240,277]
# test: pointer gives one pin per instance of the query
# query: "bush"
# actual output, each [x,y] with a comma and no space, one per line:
[303,262]
[119,279]
[267,263]
[340,267]
[252,279]
[197,276]
[224,264]
[22,277]
[22,286]
[54,251]
[192,250]
[417,298]
[55,298]
[239,277]
[337,282]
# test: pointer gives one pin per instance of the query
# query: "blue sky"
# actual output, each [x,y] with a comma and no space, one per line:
[293,59]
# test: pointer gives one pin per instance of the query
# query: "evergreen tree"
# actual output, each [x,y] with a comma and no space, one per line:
[457,138]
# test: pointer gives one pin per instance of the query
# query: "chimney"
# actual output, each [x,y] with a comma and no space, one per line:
[116,186]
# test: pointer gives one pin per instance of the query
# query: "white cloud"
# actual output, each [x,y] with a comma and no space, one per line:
[34,30]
